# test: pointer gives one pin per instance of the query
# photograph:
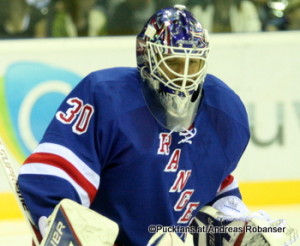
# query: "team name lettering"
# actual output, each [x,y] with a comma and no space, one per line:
[172,165]
[164,144]
[183,200]
[183,203]
[181,180]
[188,212]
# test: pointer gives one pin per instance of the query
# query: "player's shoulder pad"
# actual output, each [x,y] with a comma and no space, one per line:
[218,95]
[115,87]
[214,85]
[114,74]
[111,81]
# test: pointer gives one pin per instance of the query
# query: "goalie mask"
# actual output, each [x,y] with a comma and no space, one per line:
[172,51]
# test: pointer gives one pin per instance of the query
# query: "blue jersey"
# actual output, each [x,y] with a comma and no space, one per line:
[105,150]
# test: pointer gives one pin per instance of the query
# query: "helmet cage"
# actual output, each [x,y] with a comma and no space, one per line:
[181,84]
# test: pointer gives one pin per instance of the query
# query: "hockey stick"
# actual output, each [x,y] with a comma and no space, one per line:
[12,179]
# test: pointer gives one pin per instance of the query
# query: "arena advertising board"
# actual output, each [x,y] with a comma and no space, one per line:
[31,92]
[35,76]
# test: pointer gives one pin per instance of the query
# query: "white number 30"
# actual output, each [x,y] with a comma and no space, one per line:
[83,113]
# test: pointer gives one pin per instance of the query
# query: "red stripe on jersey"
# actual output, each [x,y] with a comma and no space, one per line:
[228,181]
[63,164]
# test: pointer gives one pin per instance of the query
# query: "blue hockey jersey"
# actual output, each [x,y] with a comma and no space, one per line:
[105,150]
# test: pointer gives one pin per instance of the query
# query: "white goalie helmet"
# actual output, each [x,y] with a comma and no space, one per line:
[172,52]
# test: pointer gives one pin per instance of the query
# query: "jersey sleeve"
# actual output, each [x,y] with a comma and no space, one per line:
[66,163]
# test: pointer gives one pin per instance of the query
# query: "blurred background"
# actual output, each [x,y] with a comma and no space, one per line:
[85,18]
[48,46]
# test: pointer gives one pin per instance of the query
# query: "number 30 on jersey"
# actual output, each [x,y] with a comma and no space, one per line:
[79,112]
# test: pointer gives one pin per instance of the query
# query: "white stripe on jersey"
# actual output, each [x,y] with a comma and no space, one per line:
[44,169]
[67,154]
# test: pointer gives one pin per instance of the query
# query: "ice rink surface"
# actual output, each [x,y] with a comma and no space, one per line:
[16,233]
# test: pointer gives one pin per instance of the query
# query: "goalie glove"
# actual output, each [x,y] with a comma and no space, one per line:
[71,224]
[238,229]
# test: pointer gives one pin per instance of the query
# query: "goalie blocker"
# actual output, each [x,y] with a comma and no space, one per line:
[74,225]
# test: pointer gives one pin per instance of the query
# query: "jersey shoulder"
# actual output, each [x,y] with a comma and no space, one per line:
[114,78]
[219,97]
[226,113]
[115,73]
[117,88]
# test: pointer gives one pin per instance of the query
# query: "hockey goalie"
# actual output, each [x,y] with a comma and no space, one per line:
[144,155]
